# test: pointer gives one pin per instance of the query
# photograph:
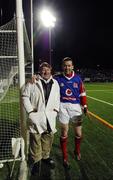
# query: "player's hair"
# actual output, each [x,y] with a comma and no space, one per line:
[66,59]
[45,64]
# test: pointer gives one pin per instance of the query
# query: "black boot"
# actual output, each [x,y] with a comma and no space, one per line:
[50,162]
[36,168]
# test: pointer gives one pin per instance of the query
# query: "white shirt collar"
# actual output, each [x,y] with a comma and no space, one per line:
[69,77]
[46,81]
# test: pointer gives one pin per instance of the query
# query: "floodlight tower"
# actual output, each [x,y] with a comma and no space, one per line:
[48,20]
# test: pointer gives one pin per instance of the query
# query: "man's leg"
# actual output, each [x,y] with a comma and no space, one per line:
[47,141]
[63,143]
[35,152]
[78,138]
[77,124]
[35,147]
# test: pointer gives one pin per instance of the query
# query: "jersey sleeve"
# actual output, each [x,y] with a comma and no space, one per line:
[83,98]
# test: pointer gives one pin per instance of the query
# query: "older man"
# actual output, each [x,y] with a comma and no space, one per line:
[41,101]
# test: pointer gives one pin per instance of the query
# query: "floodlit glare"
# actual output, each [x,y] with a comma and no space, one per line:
[47,18]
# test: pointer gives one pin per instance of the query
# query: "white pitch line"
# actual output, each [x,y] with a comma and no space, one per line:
[106,90]
[100,100]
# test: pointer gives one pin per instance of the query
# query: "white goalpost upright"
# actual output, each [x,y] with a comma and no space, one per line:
[32,49]
[21,58]
[20,47]
[20,42]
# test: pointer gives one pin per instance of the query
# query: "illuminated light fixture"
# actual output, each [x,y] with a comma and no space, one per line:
[47,18]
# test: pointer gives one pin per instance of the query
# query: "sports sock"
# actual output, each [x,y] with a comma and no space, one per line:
[63,144]
[77,144]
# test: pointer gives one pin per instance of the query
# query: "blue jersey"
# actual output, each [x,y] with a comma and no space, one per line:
[71,89]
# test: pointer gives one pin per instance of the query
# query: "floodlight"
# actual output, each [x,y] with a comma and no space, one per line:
[47,18]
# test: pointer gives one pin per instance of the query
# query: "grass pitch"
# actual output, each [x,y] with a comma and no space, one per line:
[97,144]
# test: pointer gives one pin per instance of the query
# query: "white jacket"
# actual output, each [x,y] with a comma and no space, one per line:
[33,98]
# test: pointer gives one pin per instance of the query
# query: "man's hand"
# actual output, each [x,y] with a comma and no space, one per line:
[85,110]
[33,79]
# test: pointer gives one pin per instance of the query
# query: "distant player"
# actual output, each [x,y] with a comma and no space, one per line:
[72,103]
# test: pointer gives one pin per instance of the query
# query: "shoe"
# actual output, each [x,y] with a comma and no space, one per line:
[77,155]
[66,164]
[36,168]
[49,162]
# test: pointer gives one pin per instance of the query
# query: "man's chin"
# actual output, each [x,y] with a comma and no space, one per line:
[68,73]
[46,78]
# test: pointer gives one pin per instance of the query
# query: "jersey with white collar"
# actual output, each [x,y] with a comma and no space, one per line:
[71,89]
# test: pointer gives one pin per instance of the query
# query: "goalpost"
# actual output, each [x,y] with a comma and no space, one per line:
[15,54]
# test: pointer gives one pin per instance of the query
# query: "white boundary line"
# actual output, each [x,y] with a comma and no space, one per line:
[106,90]
[100,100]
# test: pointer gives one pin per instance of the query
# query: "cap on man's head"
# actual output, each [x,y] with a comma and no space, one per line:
[45,64]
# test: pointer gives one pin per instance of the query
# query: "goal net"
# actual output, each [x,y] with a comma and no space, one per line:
[9,89]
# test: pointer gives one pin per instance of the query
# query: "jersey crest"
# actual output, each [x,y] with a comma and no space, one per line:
[68,92]
[75,85]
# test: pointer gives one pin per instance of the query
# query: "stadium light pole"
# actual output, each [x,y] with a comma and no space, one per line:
[48,20]
[32,47]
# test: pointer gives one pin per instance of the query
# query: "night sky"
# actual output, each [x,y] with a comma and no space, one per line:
[83,31]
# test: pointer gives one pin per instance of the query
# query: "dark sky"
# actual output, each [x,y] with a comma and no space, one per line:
[83,31]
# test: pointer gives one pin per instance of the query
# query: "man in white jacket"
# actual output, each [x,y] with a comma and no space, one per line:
[41,101]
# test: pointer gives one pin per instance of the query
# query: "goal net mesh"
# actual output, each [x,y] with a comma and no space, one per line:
[9,87]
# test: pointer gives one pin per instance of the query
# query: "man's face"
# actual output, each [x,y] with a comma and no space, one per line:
[45,73]
[67,67]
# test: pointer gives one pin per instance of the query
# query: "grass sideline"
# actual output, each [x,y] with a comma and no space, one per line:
[97,144]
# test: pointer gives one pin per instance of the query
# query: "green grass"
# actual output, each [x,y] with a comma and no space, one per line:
[5,172]
[102,92]
[97,144]
[9,127]
[9,106]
